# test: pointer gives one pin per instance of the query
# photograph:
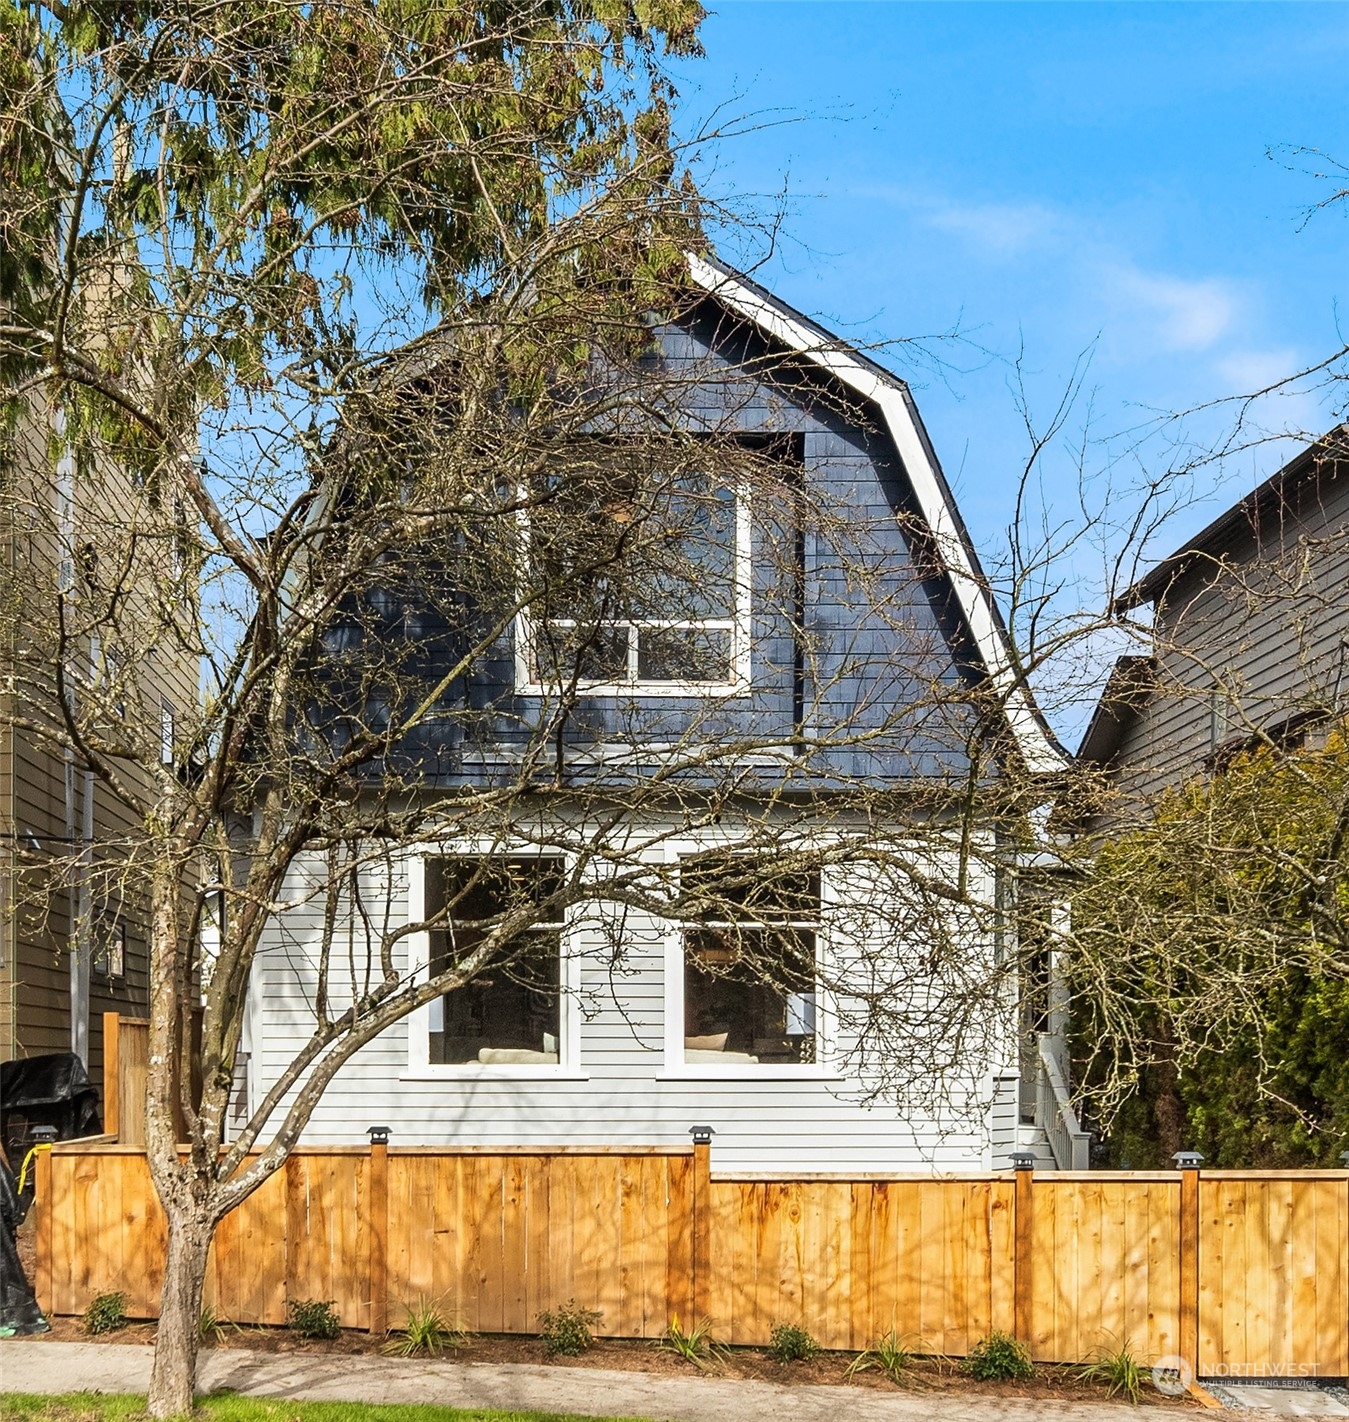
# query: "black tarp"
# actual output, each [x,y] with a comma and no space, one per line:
[19,1312]
[51,1091]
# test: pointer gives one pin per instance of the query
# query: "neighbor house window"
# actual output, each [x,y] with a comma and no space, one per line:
[643,577]
[750,991]
[109,946]
[168,731]
[510,1014]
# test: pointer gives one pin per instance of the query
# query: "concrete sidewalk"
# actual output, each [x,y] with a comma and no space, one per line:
[38,1367]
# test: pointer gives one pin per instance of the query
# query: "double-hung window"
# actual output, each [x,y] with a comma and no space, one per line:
[642,578]
[510,1014]
[750,986]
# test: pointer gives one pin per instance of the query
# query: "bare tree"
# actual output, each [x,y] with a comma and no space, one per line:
[361,328]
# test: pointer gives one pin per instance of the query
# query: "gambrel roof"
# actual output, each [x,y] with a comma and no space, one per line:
[891,396]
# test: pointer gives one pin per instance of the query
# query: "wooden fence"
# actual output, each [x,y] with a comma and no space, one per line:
[1237,1272]
[126,1074]
[126,1069]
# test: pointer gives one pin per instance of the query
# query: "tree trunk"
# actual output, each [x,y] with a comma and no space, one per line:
[175,1368]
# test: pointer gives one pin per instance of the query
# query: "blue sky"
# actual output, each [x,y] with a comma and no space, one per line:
[1050,180]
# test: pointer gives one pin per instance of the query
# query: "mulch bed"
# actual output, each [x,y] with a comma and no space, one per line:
[939,1376]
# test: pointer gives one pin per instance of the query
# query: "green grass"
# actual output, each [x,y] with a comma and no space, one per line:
[94,1407]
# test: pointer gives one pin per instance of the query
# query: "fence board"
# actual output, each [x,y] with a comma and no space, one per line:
[1274,1282]
[493,1237]
[1105,1266]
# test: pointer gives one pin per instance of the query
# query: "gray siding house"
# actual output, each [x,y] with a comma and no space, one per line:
[1250,633]
[873,652]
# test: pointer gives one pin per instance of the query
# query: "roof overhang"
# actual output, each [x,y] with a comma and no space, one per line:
[1241,521]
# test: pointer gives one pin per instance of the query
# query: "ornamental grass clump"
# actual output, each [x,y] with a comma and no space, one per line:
[888,1353]
[999,1358]
[427,1331]
[1115,1366]
[696,1346]
[211,1328]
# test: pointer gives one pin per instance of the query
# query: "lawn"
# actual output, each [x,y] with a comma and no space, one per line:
[94,1407]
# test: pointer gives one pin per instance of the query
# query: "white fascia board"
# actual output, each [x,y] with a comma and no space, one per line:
[1040,753]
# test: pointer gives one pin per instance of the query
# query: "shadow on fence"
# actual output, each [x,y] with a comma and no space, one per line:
[1236,1272]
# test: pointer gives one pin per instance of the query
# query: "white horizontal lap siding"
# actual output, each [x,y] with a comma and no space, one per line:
[624,1096]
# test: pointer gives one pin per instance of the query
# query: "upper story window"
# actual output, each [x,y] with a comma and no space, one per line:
[750,982]
[644,579]
[511,1013]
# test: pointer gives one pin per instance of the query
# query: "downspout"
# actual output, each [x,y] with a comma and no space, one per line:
[82,962]
[78,895]
[9,928]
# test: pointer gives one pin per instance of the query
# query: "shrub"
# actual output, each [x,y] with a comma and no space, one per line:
[1117,1368]
[312,1318]
[999,1358]
[790,1343]
[106,1314]
[696,1346]
[888,1353]
[427,1331]
[565,1330]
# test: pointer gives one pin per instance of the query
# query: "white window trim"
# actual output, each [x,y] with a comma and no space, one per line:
[739,625]
[420,1066]
[675,1068]
[168,731]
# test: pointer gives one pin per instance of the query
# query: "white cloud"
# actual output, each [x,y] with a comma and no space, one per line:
[1252,370]
[1004,229]
[1081,269]
[1186,315]
[1152,308]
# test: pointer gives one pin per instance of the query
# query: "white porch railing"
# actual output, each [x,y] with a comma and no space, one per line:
[1054,1112]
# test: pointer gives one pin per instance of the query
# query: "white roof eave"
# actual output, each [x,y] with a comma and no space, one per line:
[1040,753]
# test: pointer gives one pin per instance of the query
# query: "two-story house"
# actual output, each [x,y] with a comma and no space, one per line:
[1250,638]
[821,698]
[72,935]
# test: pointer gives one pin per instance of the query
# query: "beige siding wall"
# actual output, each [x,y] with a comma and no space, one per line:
[37,902]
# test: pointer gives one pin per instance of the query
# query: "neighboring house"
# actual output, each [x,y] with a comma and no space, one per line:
[1250,633]
[638,1054]
[72,939]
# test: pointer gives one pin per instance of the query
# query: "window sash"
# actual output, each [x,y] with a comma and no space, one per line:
[754,920]
[421,957]
[532,678]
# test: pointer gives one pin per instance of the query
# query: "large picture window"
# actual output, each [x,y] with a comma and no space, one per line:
[644,580]
[511,1013]
[749,957]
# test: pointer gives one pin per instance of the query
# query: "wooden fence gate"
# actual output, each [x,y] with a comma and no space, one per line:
[1237,1272]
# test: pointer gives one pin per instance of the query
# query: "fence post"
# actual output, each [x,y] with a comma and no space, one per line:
[112,1073]
[379,1229]
[1023,1220]
[702,1222]
[1189,1162]
[45,1229]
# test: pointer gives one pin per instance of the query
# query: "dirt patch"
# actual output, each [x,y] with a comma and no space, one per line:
[933,1375]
